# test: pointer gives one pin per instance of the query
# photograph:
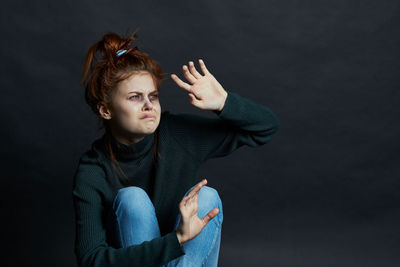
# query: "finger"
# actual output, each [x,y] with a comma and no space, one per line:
[181,83]
[189,199]
[203,67]
[185,201]
[194,101]
[197,188]
[188,75]
[192,202]
[195,199]
[210,215]
[193,70]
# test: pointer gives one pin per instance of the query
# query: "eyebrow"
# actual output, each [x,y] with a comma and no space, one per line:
[138,92]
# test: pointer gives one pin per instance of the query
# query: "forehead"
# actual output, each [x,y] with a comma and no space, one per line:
[140,82]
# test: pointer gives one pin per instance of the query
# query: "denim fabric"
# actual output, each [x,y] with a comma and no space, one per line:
[134,210]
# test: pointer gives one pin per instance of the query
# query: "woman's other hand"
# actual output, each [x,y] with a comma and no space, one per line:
[190,224]
[205,91]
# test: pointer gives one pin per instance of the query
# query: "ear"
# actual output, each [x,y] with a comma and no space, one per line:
[104,112]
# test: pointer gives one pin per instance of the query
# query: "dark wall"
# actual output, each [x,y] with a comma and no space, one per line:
[323,192]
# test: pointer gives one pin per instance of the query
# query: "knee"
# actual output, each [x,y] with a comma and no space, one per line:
[209,199]
[131,198]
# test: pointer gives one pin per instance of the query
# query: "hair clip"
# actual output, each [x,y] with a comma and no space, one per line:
[120,52]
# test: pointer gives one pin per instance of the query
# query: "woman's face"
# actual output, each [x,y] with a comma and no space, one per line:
[133,100]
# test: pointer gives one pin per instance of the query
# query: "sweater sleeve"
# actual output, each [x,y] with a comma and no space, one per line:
[91,248]
[240,122]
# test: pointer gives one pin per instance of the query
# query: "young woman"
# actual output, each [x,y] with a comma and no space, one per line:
[137,198]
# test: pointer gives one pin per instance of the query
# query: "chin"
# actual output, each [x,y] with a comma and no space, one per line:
[150,130]
[147,127]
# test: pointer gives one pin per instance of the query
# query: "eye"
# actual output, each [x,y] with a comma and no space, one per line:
[154,96]
[134,97]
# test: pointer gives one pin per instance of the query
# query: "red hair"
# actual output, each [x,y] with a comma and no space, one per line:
[101,77]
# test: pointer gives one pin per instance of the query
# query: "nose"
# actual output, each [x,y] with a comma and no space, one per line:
[147,104]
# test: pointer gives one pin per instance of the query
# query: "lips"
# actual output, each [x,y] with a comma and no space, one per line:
[147,116]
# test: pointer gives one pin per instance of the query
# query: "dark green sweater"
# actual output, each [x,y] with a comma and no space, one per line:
[185,141]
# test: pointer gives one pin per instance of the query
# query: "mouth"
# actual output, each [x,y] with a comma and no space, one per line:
[147,117]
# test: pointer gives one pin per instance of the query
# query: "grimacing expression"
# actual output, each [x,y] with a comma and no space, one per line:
[133,99]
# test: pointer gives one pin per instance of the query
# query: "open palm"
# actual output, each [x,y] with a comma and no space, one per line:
[191,225]
[205,91]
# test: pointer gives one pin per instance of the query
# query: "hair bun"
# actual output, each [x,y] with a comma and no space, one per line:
[112,43]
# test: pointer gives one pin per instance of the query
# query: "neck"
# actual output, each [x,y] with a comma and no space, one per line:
[126,138]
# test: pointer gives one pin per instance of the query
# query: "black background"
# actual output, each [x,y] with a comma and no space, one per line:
[323,192]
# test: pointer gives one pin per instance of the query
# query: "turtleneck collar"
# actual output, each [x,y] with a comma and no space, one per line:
[131,152]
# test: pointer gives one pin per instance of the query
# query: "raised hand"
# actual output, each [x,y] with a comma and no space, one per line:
[191,225]
[205,91]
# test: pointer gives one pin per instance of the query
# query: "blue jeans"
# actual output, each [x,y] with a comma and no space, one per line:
[134,210]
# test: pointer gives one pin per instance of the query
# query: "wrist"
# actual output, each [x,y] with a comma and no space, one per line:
[180,238]
[225,95]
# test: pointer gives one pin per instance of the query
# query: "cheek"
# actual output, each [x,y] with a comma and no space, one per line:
[157,106]
[128,112]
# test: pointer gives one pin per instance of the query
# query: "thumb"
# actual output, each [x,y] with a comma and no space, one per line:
[194,101]
[210,215]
